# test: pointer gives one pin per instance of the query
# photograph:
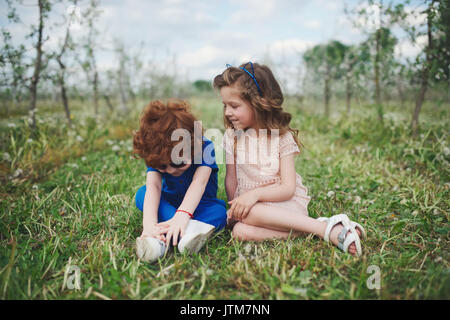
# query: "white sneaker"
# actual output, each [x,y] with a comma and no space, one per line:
[149,249]
[195,236]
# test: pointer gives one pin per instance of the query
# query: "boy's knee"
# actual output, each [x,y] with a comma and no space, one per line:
[139,198]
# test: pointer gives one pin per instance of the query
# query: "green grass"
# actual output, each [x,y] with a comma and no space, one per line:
[72,204]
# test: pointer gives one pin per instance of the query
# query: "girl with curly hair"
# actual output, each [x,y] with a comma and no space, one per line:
[267,197]
[179,200]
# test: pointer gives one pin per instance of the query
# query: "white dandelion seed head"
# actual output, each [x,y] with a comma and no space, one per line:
[330,194]
[17,173]
[6,156]
[446,151]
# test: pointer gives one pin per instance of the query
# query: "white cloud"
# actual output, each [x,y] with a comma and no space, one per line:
[253,11]
[290,46]
[201,56]
[312,24]
[407,49]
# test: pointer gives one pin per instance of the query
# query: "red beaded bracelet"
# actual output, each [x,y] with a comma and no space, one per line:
[190,214]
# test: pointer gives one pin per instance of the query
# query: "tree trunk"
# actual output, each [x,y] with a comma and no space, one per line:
[425,74]
[377,75]
[327,92]
[348,92]
[95,84]
[65,101]
[401,94]
[37,67]
[108,102]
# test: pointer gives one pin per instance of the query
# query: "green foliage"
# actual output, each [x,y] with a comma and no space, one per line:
[202,85]
[80,212]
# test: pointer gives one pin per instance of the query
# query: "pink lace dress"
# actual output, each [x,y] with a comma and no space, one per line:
[257,162]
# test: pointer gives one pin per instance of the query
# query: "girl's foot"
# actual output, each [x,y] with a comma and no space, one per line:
[149,249]
[334,238]
[346,241]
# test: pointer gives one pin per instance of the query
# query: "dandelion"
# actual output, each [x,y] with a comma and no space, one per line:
[17,173]
[29,140]
[11,125]
[79,138]
[446,151]
[357,200]
[35,187]
[83,158]
[330,194]
[6,156]
[415,213]
[115,148]
[109,142]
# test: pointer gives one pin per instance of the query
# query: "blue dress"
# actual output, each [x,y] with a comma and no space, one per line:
[210,209]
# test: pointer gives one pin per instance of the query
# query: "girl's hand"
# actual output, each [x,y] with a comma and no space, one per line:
[154,231]
[240,206]
[174,228]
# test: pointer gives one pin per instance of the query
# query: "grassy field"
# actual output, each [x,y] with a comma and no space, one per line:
[67,203]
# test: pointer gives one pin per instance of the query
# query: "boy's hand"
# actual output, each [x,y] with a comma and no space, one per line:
[240,206]
[154,231]
[174,228]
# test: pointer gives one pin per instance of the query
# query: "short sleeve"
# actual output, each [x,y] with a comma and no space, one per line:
[227,142]
[149,169]
[288,145]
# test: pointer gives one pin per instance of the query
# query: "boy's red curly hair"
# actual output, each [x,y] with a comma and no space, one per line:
[152,141]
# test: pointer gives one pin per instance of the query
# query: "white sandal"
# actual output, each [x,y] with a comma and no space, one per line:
[344,239]
[354,224]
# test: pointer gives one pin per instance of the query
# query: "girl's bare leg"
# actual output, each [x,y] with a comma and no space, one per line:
[247,232]
[279,219]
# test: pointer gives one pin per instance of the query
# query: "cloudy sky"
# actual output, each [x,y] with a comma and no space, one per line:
[202,36]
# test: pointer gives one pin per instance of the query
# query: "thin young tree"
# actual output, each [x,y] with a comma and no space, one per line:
[66,45]
[426,68]
[375,18]
[44,9]
[90,45]
[326,61]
